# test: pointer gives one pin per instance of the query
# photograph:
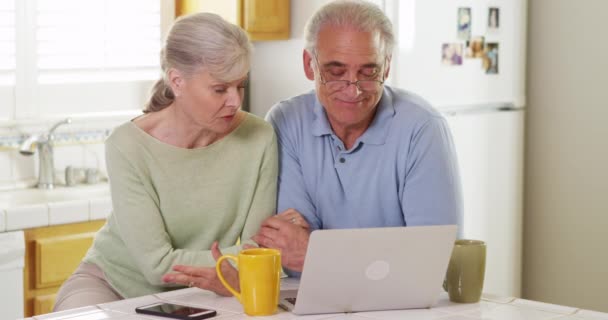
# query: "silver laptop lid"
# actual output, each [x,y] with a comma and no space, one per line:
[348,270]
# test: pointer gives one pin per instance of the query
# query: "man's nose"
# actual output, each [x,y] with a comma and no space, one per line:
[353,88]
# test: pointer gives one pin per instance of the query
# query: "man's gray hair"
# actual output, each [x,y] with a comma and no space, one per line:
[361,15]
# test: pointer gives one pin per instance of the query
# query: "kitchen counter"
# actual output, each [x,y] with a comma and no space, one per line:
[31,208]
[24,211]
[490,307]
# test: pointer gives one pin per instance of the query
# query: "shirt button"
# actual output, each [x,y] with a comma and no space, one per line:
[342,160]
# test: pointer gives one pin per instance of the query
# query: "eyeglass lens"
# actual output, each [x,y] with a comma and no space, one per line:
[363,85]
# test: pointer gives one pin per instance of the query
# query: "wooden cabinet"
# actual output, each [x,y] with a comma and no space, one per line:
[262,19]
[51,255]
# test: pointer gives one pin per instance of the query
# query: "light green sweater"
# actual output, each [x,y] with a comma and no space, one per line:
[170,203]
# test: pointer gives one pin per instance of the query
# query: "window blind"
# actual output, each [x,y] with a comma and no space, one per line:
[97,40]
[7,42]
[77,57]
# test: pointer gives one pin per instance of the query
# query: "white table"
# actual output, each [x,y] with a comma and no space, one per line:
[490,307]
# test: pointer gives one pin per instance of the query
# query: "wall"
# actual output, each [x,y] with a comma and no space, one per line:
[277,72]
[566,206]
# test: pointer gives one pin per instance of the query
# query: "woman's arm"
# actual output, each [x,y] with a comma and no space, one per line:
[265,195]
[139,222]
[262,206]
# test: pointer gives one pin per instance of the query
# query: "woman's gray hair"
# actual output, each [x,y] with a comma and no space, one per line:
[201,40]
[361,15]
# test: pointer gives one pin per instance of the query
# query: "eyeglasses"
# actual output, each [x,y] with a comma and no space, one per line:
[339,85]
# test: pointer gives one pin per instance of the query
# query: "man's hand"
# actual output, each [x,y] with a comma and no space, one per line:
[294,217]
[205,277]
[289,233]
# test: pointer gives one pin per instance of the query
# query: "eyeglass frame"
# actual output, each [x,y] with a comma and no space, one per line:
[348,82]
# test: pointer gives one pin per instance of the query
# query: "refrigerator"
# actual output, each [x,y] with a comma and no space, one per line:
[467,58]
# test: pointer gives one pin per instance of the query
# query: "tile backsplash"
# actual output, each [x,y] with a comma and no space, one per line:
[17,170]
[80,145]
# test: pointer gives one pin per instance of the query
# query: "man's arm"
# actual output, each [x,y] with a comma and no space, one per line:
[432,192]
[294,202]
[292,192]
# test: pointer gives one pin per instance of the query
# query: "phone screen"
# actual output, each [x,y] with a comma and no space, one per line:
[176,311]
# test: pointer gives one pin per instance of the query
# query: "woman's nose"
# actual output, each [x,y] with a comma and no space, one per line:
[235,97]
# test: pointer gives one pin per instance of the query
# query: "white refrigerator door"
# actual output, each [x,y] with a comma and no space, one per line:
[422,27]
[490,153]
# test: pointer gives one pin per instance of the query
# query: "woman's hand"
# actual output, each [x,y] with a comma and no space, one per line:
[205,277]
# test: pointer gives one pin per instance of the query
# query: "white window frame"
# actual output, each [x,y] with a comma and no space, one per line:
[27,104]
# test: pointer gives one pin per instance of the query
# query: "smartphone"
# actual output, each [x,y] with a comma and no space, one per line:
[176,311]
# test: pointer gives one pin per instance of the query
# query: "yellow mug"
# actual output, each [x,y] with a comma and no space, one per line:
[259,278]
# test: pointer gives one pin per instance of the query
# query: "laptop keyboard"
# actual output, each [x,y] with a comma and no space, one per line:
[287,304]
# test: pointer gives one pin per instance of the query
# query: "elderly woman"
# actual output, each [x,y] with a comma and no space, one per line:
[192,174]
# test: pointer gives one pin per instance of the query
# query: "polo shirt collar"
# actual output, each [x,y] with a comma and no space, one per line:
[320,123]
[378,129]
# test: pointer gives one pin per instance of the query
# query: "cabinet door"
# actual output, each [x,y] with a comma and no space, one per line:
[44,304]
[51,255]
[262,19]
[266,19]
[58,257]
[228,9]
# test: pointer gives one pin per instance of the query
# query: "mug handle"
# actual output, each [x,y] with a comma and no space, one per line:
[218,269]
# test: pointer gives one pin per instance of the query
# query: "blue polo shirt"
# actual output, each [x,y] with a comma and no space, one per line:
[401,172]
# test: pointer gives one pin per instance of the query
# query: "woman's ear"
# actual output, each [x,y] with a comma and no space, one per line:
[308,69]
[176,81]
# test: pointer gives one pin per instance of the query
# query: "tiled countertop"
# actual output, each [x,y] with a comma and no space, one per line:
[490,307]
[32,208]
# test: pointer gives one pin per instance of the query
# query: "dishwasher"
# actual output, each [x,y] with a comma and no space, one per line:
[12,261]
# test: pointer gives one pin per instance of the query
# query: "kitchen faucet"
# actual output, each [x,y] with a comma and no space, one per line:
[44,144]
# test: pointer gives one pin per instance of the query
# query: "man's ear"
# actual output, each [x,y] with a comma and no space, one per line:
[176,81]
[308,69]
[388,67]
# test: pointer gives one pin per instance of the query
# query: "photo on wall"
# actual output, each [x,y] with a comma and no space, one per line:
[490,59]
[451,54]
[474,47]
[493,18]
[464,23]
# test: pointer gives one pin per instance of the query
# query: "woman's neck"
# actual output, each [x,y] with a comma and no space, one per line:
[175,128]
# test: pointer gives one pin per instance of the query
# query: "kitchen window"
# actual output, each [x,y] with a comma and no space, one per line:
[74,57]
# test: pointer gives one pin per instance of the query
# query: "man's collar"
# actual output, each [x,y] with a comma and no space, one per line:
[376,132]
[320,123]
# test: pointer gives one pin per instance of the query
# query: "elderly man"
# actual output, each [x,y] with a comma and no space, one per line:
[354,152]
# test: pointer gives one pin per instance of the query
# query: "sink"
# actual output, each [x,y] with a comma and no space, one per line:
[25,197]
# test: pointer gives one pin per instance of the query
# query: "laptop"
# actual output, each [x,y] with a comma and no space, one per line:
[349,270]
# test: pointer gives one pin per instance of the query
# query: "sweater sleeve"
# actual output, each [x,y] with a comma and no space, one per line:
[140,224]
[265,195]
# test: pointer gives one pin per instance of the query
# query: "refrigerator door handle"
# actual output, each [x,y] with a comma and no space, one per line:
[480,108]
